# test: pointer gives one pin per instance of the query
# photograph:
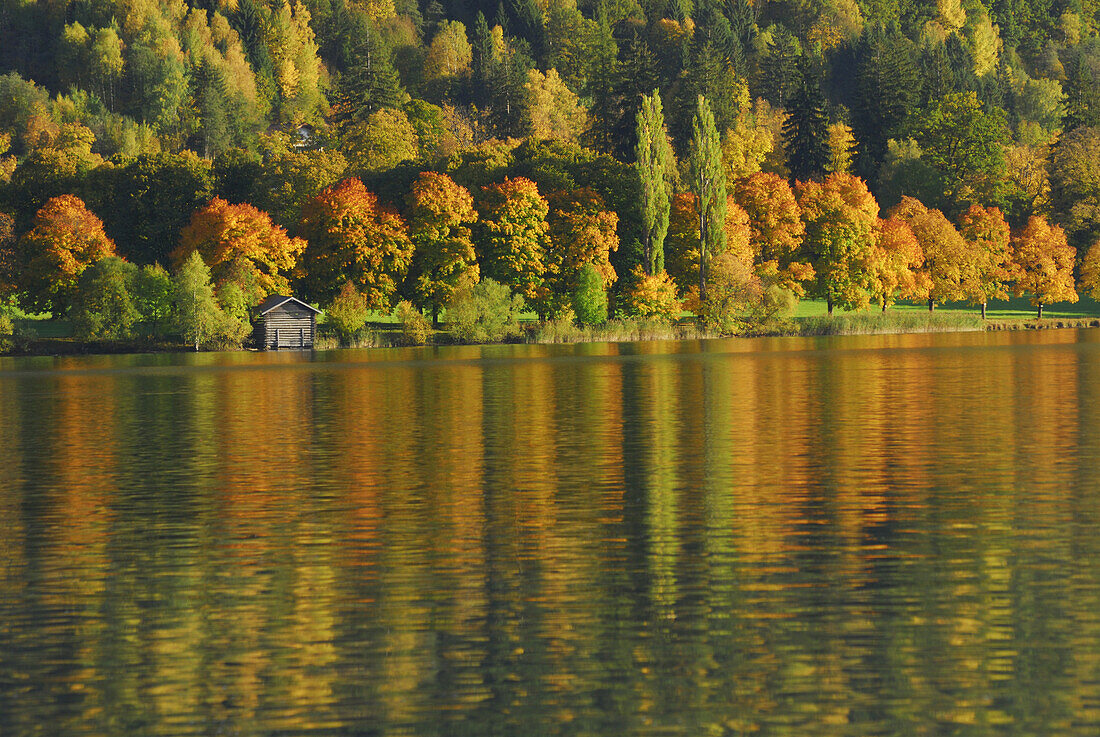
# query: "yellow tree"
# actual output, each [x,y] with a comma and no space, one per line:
[241,246]
[895,265]
[440,215]
[987,233]
[516,237]
[775,223]
[948,260]
[1090,271]
[841,218]
[555,110]
[65,239]
[1042,264]
[352,239]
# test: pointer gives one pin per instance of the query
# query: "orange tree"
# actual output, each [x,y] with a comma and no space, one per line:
[65,239]
[987,233]
[241,246]
[353,239]
[515,239]
[1042,263]
[948,258]
[775,225]
[440,214]
[582,232]
[841,218]
[895,264]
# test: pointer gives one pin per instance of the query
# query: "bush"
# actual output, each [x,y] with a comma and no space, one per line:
[652,297]
[348,313]
[486,312]
[590,297]
[415,328]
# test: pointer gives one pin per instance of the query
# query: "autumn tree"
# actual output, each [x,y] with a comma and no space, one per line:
[555,110]
[841,218]
[66,238]
[241,245]
[516,238]
[948,260]
[708,184]
[655,165]
[353,239]
[583,232]
[895,264]
[776,229]
[987,233]
[440,215]
[1042,264]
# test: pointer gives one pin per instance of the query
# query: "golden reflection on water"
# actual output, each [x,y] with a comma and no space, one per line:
[861,536]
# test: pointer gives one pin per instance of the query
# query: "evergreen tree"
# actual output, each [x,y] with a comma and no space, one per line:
[654,164]
[708,184]
[371,83]
[482,62]
[603,86]
[1082,94]
[806,131]
[779,68]
[887,89]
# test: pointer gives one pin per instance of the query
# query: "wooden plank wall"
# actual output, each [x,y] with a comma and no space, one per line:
[296,327]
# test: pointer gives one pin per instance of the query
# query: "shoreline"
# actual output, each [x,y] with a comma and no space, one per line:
[634,332]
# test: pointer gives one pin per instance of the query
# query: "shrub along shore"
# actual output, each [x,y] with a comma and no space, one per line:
[29,336]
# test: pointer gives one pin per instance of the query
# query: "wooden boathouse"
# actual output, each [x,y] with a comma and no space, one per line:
[284,322]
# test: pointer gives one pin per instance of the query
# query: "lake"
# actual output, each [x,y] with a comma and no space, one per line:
[882,535]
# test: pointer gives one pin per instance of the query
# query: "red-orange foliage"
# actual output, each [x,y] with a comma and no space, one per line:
[948,259]
[354,239]
[66,238]
[582,232]
[241,246]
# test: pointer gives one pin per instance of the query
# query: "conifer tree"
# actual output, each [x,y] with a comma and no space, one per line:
[708,184]
[654,164]
[806,131]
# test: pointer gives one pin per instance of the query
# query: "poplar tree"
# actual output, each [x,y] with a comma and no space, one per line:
[654,164]
[708,184]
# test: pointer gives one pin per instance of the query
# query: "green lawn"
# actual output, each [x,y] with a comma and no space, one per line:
[1016,308]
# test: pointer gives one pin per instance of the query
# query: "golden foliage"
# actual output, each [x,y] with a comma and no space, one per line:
[241,245]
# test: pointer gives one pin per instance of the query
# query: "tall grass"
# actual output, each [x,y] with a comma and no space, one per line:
[874,322]
[615,331]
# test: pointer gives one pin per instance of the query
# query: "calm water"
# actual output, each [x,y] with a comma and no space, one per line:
[850,536]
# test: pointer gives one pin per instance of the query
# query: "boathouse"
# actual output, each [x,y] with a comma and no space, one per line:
[284,322]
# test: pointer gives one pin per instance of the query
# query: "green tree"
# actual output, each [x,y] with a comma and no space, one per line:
[196,312]
[806,131]
[104,307]
[153,298]
[590,297]
[655,165]
[965,145]
[485,312]
[348,312]
[708,184]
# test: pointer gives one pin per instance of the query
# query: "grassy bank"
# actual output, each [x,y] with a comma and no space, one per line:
[877,322]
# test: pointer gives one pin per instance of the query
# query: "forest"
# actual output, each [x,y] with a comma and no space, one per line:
[164,165]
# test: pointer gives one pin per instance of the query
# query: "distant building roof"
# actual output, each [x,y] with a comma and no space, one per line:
[277,300]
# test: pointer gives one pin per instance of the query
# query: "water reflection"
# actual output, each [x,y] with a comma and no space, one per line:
[860,536]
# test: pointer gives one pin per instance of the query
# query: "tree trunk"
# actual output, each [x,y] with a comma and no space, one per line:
[983,310]
[884,306]
[1040,310]
[829,302]
[931,305]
